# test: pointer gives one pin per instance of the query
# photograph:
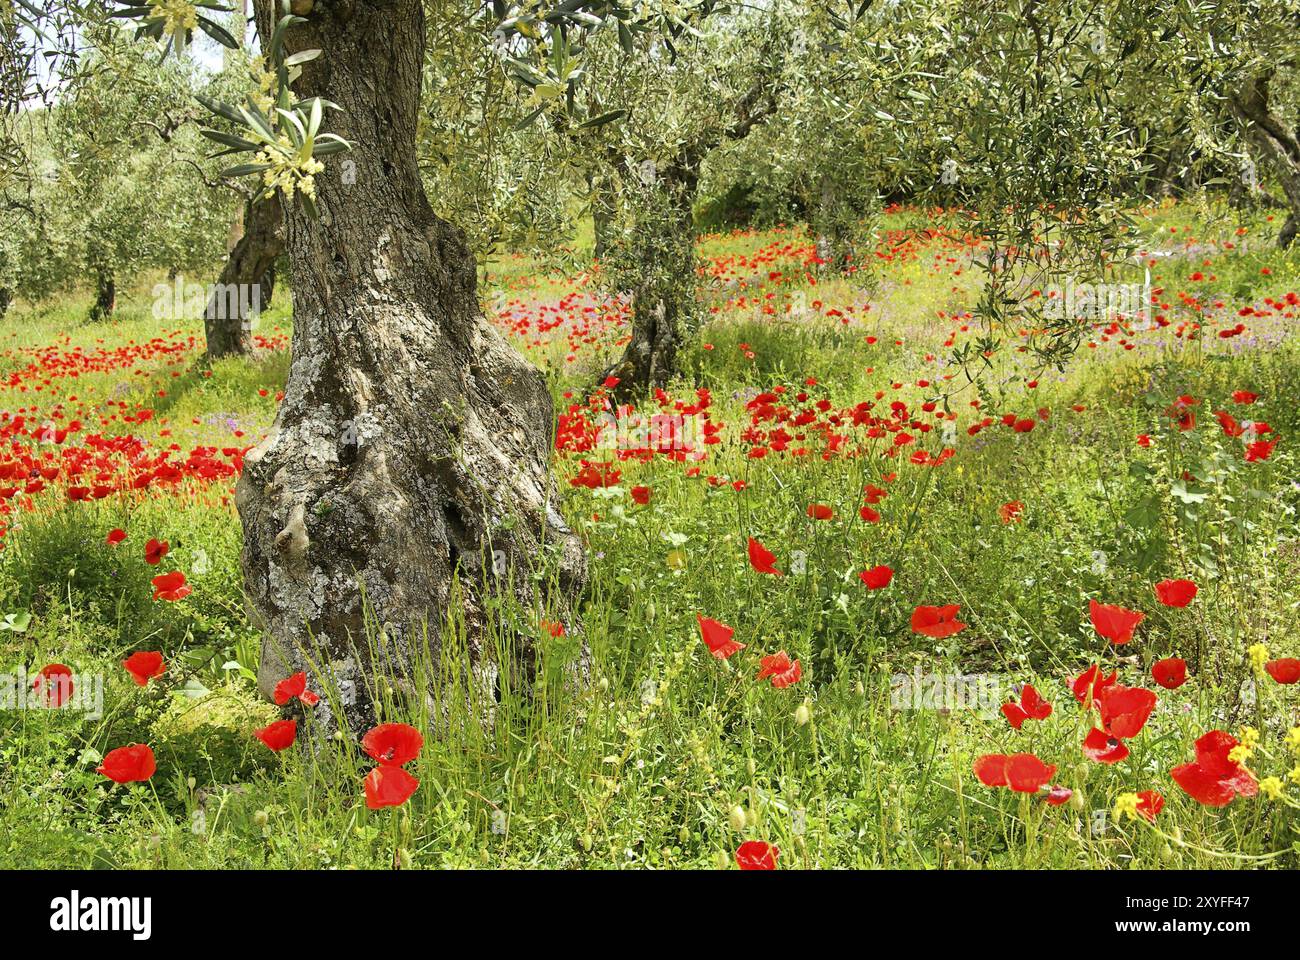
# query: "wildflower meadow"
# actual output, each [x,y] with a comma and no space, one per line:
[624,436]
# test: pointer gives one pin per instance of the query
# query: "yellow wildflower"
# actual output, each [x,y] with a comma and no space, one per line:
[1126,804]
[1292,739]
[1271,787]
[1258,654]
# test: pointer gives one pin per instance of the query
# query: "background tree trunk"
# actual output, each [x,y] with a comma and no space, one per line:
[413,442]
[602,206]
[663,299]
[1276,144]
[246,282]
[105,294]
[6,298]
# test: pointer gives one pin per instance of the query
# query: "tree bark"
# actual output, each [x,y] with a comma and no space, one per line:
[406,473]
[246,282]
[105,295]
[601,214]
[1275,142]
[663,297]
[6,298]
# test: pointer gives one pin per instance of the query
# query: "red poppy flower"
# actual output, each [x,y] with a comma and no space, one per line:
[781,669]
[991,769]
[1259,450]
[294,686]
[393,743]
[1031,707]
[1244,396]
[762,559]
[1022,772]
[389,786]
[278,735]
[1089,685]
[819,511]
[170,586]
[1175,593]
[1103,748]
[1150,803]
[641,495]
[55,683]
[1010,512]
[1286,670]
[115,537]
[1057,795]
[937,622]
[1170,673]
[1113,622]
[756,855]
[144,665]
[877,578]
[717,637]
[869,515]
[1212,779]
[1124,710]
[154,551]
[128,764]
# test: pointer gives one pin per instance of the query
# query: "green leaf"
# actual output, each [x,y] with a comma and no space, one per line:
[1179,490]
[229,140]
[301,57]
[603,119]
[218,33]
[16,622]
[244,169]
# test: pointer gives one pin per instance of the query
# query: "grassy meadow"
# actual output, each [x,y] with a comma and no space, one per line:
[1022,499]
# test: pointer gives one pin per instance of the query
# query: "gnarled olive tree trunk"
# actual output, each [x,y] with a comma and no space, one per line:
[105,294]
[664,296]
[412,445]
[1275,142]
[247,281]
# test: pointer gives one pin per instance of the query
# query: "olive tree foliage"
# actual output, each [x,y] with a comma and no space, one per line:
[1236,64]
[114,186]
[653,116]
[853,129]
[1033,148]
[485,160]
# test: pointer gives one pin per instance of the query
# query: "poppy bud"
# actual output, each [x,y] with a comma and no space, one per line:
[260,817]
[191,782]
[585,843]
[802,714]
[751,767]
[683,835]
[1076,800]
[751,817]
[604,684]
[859,688]
[737,818]
[404,858]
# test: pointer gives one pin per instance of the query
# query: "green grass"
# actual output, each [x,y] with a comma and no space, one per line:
[646,766]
